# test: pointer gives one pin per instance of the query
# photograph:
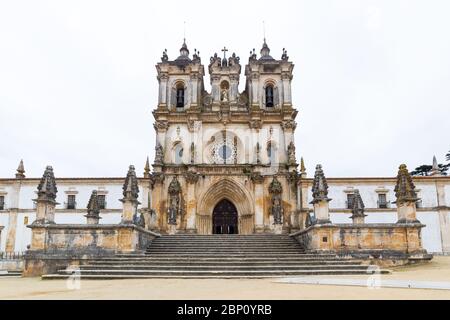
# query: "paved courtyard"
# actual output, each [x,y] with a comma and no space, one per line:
[436,273]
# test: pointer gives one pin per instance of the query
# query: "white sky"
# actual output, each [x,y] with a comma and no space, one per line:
[78,79]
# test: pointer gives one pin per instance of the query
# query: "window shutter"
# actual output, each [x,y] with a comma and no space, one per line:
[275,96]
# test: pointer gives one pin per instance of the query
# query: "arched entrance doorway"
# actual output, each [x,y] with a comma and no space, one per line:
[225,218]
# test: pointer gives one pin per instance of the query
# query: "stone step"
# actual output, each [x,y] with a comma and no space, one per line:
[220,262]
[208,276]
[213,268]
[223,251]
[220,273]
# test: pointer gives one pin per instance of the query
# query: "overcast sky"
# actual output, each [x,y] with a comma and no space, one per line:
[78,78]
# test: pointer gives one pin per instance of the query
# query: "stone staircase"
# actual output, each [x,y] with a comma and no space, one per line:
[217,256]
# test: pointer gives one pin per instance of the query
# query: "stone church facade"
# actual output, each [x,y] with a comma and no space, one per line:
[225,163]
[225,145]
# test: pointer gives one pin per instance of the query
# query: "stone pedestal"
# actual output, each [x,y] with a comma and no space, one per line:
[172,229]
[407,213]
[322,212]
[278,229]
[92,219]
[129,209]
[358,220]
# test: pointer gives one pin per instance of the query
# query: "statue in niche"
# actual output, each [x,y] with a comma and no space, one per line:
[277,209]
[275,189]
[291,153]
[174,200]
[224,95]
[173,209]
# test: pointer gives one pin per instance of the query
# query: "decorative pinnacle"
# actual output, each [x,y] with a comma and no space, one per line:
[47,187]
[302,166]
[320,186]
[435,168]
[93,207]
[130,186]
[20,171]
[358,205]
[147,169]
[405,188]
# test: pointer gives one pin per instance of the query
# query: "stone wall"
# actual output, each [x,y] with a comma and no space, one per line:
[385,244]
[56,246]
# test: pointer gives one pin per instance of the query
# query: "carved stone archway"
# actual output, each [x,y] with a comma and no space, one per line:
[234,192]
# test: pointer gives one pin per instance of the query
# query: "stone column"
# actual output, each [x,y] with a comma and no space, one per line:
[130,196]
[258,182]
[1,228]
[320,197]
[157,200]
[191,178]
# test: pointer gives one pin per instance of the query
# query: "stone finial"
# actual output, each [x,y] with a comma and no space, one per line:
[47,187]
[130,186]
[435,171]
[302,167]
[405,188]
[320,186]
[20,171]
[358,208]
[147,169]
[93,209]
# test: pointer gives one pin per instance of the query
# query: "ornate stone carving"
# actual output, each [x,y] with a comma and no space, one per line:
[289,124]
[161,125]
[257,177]
[275,189]
[291,153]
[159,154]
[292,177]
[255,124]
[320,186]
[47,187]
[174,200]
[405,188]
[156,177]
[358,205]
[93,209]
[191,177]
[130,187]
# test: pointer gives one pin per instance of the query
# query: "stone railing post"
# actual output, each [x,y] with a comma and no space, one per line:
[320,197]
[130,196]
[406,197]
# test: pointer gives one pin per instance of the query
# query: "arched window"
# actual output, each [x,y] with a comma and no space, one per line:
[269,96]
[180,97]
